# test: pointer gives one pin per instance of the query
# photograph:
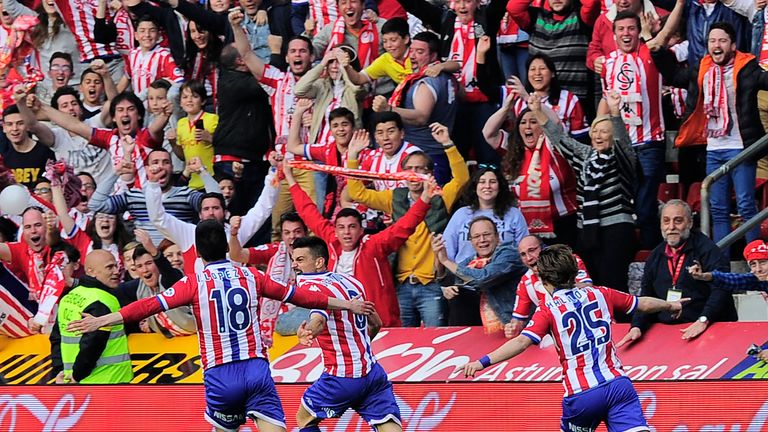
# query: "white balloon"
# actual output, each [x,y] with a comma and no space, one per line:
[14,199]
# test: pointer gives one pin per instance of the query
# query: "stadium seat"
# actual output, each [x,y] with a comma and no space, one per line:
[668,191]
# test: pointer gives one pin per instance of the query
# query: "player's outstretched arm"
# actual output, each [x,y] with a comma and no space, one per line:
[357,306]
[90,323]
[507,351]
[653,305]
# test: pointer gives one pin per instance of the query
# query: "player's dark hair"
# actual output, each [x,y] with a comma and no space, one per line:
[396,25]
[133,99]
[211,240]
[61,55]
[13,109]
[430,162]
[341,112]
[349,212]
[626,15]
[388,116]
[160,84]
[65,91]
[216,195]
[724,26]
[433,42]
[557,267]
[316,246]
[292,217]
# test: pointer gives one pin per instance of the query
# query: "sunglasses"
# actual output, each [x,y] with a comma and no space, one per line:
[491,167]
[42,190]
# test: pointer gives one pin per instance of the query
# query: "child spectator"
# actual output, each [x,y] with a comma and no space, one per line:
[194,133]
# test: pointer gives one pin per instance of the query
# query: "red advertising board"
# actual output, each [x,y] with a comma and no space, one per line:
[432,354]
[681,406]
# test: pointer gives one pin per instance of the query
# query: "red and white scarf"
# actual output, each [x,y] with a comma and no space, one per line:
[535,189]
[678,96]
[716,101]
[49,294]
[367,41]
[36,266]
[283,102]
[463,49]
[279,270]
[624,74]
[398,96]
[323,12]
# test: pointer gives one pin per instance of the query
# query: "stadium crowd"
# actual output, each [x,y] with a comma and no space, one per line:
[544,122]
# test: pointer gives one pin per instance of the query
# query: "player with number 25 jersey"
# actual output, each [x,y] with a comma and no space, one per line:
[579,320]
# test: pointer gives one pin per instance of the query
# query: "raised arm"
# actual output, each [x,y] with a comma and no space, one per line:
[211,21]
[492,128]
[254,63]
[237,252]
[102,199]
[262,209]
[62,211]
[16,9]
[67,122]
[175,230]
[294,144]
[24,103]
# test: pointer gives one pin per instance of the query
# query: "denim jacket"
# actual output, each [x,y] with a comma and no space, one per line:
[497,280]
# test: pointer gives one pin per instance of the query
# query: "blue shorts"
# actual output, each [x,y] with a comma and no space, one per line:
[234,391]
[614,402]
[371,396]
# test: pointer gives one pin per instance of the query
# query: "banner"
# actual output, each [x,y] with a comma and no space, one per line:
[431,355]
[668,406]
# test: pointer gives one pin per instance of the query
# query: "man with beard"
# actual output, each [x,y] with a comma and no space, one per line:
[666,277]
[725,119]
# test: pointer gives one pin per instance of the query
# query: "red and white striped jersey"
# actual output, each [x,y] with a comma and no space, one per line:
[345,342]
[324,12]
[79,16]
[579,320]
[279,86]
[143,68]
[568,110]
[225,301]
[109,140]
[531,292]
[379,162]
[637,79]
[205,72]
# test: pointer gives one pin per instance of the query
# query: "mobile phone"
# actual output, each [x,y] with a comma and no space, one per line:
[199,125]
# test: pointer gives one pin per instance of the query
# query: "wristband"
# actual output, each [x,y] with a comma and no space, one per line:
[485,361]
[449,145]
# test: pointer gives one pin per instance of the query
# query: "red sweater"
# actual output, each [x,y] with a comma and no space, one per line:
[371,266]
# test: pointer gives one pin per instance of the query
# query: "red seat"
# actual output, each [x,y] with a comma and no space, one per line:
[694,197]
[668,191]
[642,255]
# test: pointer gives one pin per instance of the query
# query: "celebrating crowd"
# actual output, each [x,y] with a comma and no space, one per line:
[543,122]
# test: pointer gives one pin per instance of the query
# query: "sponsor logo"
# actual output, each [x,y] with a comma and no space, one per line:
[64,416]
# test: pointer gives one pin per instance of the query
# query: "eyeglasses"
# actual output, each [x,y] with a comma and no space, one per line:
[102,216]
[491,167]
[87,186]
[61,68]
[42,190]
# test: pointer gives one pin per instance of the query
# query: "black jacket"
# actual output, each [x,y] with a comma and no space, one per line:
[750,79]
[246,126]
[92,345]
[706,300]
[442,21]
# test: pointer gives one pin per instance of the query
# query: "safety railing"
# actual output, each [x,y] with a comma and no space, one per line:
[747,154]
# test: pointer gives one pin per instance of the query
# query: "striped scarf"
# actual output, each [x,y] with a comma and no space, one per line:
[624,75]
[367,42]
[463,50]
[535,190]
[716,101]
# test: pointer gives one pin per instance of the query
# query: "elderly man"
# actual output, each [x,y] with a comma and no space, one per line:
[665,277]
[530,291]
[100,357]
[493,271]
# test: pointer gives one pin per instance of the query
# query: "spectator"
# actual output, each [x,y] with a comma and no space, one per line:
[726,120]
[328,85]
[42,190]
[246,130]
[60,71]
[227,186]
[549,206]
[127,111]
[212,206]
[418,293]
[81,213]
[195,131]
[422,100]
[180,201]
[173,31]
[25,157]
[360,255]
[157,275]
[700,16]
[60,274]
[488,195]
[462,29]
[203,50]
[172,253]
[148,62]
[94,296]
[157,99]
[93,89]
[530,291]
[391,150]
[276,257]
[665,277]
[606,174]
[67,146]
[130,267]
[630,71]
[394,63]
[561,33]
[485,279]
[543,81]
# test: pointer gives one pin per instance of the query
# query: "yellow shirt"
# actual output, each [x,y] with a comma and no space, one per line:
[185,138]
[386,65]
[415,257]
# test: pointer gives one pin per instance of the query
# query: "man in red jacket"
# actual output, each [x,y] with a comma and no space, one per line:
[363,256]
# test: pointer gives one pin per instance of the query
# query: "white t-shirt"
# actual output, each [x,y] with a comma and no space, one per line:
[82,156]
[346,262]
